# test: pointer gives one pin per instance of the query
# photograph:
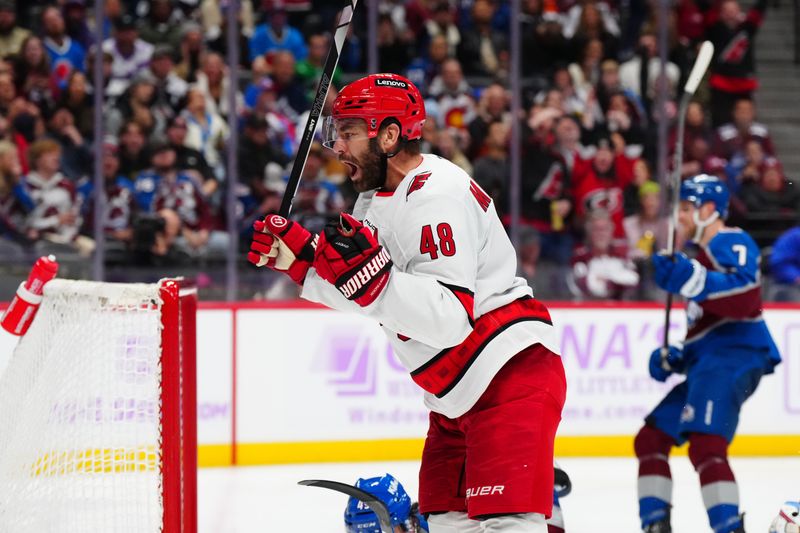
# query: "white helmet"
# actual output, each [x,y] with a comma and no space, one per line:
[788,519]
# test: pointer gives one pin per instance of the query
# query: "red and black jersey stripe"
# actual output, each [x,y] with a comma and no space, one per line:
[443,371]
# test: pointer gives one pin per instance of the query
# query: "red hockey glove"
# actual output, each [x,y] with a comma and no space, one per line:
[282,245]
[349,257]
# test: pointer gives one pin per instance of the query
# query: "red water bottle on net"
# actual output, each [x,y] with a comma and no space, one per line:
[20,314]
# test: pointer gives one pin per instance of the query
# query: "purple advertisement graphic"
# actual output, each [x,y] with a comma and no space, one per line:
[350,364]
[359,367]
[608,385]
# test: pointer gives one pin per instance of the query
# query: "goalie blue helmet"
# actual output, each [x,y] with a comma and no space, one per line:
[359,518]
[703,188]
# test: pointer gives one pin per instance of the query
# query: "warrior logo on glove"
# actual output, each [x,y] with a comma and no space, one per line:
[350,257]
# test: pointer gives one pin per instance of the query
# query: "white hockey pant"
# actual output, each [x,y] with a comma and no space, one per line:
[454,522]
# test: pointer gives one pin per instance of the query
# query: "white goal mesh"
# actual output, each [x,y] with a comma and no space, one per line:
[80,429]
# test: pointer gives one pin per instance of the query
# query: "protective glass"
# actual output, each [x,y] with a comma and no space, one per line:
[345,133]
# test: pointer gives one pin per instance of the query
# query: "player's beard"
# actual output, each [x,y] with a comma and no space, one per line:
[369,166]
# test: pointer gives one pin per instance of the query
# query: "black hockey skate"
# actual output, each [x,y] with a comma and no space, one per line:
[662,526]
[740,529]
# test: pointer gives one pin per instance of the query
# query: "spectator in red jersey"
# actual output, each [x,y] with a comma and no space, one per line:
[601,268]
[731,137]
[599,184]
[733,73]
[56,215]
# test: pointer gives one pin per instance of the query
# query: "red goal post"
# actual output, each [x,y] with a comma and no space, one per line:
[98,428]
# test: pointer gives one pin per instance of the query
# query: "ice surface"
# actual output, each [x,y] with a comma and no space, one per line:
[603,499]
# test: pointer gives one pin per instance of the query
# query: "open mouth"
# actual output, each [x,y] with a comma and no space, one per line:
[352,169]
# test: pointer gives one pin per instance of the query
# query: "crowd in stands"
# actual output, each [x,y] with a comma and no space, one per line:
[590,201]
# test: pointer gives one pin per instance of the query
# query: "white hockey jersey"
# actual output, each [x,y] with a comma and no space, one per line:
[453,310]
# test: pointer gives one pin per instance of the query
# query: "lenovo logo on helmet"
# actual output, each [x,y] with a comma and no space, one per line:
[385,82]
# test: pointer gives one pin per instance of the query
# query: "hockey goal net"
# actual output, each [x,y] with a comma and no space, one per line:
[98,412]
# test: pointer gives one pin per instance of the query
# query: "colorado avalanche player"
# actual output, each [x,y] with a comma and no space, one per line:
[727,350]
[426,256]
[359,518]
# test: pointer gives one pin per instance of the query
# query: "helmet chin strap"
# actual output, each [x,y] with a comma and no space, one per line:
[401,143]
[701,225]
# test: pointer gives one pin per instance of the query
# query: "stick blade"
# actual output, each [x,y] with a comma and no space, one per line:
[376,505]
[700,66]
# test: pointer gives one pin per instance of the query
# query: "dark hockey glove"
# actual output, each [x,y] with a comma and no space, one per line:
[350,258]
[662,366]
[282,245]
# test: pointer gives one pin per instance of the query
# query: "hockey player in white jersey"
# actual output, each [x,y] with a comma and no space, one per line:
[425,255]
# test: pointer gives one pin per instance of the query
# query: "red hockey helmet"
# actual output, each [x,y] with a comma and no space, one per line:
[378,97]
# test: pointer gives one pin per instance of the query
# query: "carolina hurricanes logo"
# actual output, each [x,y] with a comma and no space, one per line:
[606,199]
[278,221]
[551,185]
[736,50]
[417,183]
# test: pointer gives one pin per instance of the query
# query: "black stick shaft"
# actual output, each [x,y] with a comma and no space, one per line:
[674,185]
[316,109]
[376,505]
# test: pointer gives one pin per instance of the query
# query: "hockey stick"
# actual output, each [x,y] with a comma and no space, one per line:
[697,73]
[376,505]
[316,109]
